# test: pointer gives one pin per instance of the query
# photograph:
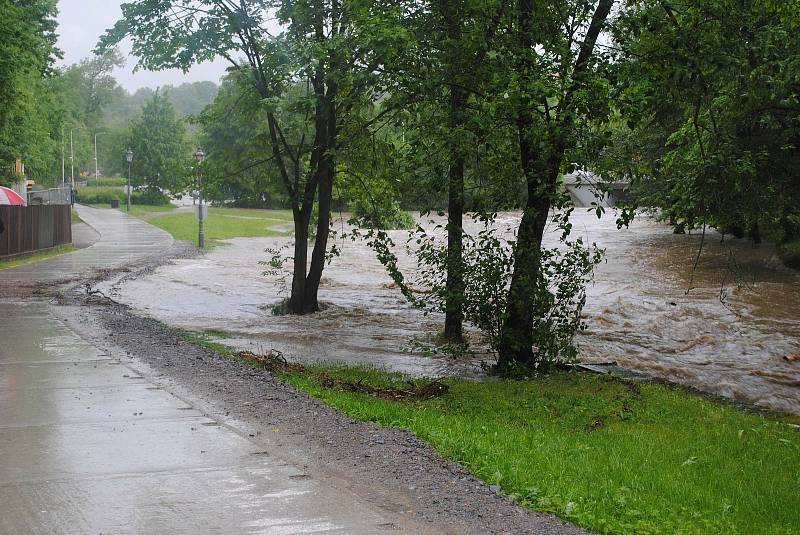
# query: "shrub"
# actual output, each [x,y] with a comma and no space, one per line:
[150,198]
[107,181]
[386,214]
[104,195]
[488,264]
[790,254]
[100,195]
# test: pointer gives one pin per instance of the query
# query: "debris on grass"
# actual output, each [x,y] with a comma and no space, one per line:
[274,362]
[413,392]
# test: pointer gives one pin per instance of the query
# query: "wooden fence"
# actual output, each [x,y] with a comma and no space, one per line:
[33,228]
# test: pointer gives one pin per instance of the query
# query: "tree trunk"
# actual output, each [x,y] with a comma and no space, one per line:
[540,168]
[325,138]
[541,158]
[326,120]
[516,337]
[454,298]
[297,299]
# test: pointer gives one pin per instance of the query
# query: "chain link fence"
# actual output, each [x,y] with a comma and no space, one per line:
[54,196]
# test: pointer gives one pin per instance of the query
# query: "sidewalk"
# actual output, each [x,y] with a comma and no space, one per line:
[90,443]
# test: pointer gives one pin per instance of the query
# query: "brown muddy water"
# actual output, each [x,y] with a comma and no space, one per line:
[729,334]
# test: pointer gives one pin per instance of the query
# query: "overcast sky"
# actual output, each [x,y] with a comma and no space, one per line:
[82,22]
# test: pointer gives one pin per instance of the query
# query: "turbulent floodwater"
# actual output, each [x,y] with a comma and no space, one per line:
[728,335]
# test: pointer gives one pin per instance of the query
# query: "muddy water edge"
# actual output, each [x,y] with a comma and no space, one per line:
[729,327]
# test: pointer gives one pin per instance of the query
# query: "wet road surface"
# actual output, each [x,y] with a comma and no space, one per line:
[90,443]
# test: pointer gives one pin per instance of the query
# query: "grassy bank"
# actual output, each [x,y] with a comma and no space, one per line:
[32,258]
[223,224]
[148,212]
[610,456]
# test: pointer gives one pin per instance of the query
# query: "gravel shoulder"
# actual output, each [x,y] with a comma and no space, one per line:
[391,468]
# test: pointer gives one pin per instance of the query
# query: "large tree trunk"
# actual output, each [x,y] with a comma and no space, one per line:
[454,299]
[516,337]
[540,165]
[454,286]
[541,175]
[297,299]
[326,121]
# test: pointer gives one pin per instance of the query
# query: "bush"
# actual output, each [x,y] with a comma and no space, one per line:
[790,254]
[150,198]
[488,264]
[108,181]
[100,195]
[104,195]
[386,214]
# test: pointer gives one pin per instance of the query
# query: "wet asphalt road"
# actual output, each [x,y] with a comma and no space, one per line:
[90,443]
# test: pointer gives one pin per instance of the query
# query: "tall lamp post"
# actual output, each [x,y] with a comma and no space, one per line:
[96,162]
[129,157]
[71,158]
[200,156]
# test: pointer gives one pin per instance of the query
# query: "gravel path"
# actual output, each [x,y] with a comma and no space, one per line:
[390,467]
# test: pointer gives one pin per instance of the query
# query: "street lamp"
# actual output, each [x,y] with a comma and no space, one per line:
[129,157]
[96,162]
[200,156]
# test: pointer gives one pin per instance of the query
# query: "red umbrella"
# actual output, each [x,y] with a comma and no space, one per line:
[11,197]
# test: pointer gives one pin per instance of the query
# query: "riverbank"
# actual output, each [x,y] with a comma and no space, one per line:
[726,327]
[609,455]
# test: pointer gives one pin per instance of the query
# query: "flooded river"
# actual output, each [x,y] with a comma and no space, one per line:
[729,334]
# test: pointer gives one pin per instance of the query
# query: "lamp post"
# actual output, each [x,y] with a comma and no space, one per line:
[129,157]
[72,158]
[63,165]
[96,163]
[200,156]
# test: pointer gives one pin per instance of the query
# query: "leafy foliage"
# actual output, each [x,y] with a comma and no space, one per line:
[161,153]
[559,293]
[27,54]
[716,87]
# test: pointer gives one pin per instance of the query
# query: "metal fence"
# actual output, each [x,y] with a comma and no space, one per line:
[25,229]
[56,196]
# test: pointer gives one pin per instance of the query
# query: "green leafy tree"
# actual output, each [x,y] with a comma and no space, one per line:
[557,86]
[27,54]
[160,148]
[235,136]
[328,45]
[714,85]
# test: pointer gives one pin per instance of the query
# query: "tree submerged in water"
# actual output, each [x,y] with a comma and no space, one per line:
[559,292]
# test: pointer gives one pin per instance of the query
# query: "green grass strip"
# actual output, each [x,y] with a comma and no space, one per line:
[32,258]
[223,224]
[607,455]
